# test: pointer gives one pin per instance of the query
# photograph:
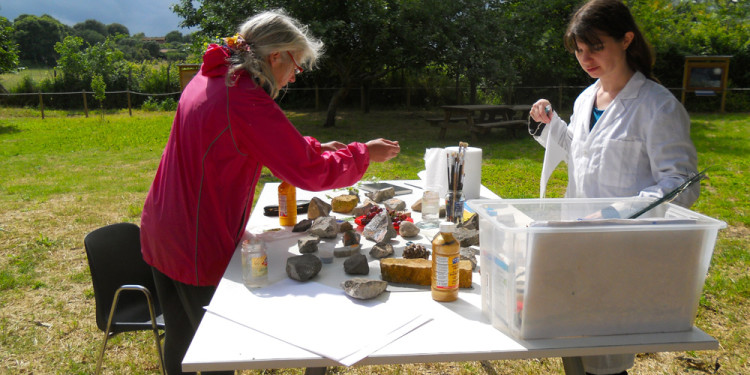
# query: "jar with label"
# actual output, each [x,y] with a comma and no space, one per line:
[445,258]
[254,263]
[287,204]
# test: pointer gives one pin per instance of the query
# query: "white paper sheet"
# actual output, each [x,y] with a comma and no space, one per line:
[435,175]
[292,310]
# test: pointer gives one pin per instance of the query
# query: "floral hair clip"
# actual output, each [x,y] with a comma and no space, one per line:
[237,42]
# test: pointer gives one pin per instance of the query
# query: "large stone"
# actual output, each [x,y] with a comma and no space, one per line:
[356,265]
[324,227]
[381,250]
[382,195]
[419,271]
[344,203]
[303,267]
[379,229]
[318,208]
[361,288]
[466,237]
[469,254]
[302,226]
[395,204]
[308,244]
[470,223]
[407,229]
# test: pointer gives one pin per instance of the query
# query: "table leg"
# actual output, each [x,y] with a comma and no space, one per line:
[470,121]
[573,366]
[316,370]
[446,123]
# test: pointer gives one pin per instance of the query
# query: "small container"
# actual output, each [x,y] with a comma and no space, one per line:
[254,263]
[445,258]
[287,204]
[325,251]
[454,206]
[430,209]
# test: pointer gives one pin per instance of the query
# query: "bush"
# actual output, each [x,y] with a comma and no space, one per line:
[152,104]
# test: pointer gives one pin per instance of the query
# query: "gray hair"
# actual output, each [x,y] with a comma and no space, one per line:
[270,32]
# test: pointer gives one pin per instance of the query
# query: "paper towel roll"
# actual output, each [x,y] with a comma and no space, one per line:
[472,171]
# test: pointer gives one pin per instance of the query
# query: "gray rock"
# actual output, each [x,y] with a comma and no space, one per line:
[471,223]
[467,237]
[364,208]
[381,250]
[351,237]
[408,229]
[379,229]
[470,254]
[382,195]
[318,208]
[346,251]
[356,265]
[303,267]
[361,288]
[302,226]
[308,244]
[395,204]
[324,227]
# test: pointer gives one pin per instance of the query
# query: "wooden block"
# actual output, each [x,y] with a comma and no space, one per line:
[418,271]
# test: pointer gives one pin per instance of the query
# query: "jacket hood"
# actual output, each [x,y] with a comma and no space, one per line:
[215,61]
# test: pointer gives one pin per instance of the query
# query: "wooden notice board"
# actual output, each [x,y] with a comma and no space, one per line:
[706,75]
[187,71]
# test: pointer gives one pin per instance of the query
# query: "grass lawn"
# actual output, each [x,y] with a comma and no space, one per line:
[66,175]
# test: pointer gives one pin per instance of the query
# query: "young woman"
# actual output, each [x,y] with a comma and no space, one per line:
[628,135]
[226,129]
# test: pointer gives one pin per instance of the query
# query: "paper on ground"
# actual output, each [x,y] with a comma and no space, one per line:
[553,155]
[315,317]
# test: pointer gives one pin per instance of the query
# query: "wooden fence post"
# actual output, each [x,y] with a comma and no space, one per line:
[41,104]
[85,105]
[130,111]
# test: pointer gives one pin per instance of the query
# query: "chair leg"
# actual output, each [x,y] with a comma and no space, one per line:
[106,331]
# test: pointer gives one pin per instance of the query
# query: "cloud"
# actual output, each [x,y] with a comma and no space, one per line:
[151,17]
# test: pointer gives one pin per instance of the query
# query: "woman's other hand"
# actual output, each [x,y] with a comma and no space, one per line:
[382,149]
[331,146]
[541,111]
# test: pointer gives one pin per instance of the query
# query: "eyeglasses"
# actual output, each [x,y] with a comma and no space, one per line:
[297,69]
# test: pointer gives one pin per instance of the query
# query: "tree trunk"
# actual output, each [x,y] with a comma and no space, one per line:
[333,105]
[458,88]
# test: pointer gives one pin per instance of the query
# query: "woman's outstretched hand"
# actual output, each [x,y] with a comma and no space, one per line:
[382,149]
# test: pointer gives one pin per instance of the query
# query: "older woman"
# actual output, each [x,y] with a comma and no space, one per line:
[628,135]
[226,129]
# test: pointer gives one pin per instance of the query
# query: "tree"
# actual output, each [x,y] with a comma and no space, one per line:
[36,38]
[116,29]
[173,37]
[8,47]
[91,24]
[99,88]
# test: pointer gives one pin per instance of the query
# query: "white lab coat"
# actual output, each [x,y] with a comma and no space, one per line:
[640,146]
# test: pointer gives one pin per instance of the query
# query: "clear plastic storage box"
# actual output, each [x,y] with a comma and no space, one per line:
[548,270]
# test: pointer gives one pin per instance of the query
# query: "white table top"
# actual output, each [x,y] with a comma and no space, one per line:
[222,344]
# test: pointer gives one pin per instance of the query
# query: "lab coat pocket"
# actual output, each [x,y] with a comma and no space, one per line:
[621,161]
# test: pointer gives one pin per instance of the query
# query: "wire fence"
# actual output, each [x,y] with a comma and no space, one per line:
[407,98]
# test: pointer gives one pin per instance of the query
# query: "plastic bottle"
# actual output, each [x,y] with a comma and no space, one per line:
[287,204]
[445,258]
[254,263]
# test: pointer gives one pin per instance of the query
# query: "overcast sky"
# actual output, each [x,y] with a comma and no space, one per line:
[151,17]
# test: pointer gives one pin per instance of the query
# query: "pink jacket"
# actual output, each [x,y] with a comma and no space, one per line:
[201,198]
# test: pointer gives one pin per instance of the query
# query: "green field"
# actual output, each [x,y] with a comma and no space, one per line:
[66,175]
[11,80]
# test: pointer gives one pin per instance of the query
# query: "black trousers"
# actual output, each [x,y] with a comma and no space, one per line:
[182,306]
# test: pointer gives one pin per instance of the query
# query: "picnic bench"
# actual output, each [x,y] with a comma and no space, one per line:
[489,116]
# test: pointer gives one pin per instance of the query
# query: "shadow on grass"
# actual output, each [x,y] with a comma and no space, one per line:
[8,129]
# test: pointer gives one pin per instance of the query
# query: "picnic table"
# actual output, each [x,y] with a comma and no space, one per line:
[481,118]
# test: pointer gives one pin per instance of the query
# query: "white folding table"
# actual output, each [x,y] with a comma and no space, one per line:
[458,330]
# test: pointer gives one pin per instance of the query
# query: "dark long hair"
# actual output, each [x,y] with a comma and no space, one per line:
[613,18]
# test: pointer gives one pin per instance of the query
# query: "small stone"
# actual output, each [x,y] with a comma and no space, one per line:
[308,244]
[395,204]
[318,208]
[379,229]
[324,227]
[408,229]
[344,203]
[345,226]
[417,206]
[303,267]
[470,254]
[415,251]
[351,237]
[363,209]
[381,250]
[302,226]
[382,195]
[356,265]
[361,288]
[470,223]
[466,237]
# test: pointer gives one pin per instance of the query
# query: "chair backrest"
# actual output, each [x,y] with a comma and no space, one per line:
[114,255]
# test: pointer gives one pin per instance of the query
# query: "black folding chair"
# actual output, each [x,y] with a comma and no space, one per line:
[118,270]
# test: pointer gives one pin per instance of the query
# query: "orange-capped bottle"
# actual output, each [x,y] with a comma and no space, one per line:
[287,204]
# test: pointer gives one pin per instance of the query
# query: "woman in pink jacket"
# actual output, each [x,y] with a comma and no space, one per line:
[227,127]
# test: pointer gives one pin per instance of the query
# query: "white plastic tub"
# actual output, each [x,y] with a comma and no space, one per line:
[545,273]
